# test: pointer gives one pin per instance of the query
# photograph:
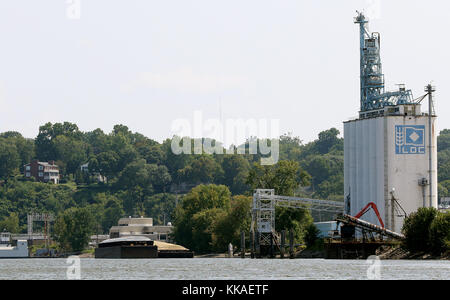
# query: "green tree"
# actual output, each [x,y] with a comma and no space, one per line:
[443,140]
[212,198]
[328,139]
[45,148]
[71,151]
[416,229]
[283,177]
[203,224]
[311,235]
[440,233]
[235,168]
[296,219]
[113,211]
[202,169]
[73,228]
[174,162]
[227,229]
[9,159]
[10,223]
[160,207]
[24,147]
[105,163]
[151,178]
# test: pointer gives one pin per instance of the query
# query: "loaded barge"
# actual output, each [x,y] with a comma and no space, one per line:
[140,247]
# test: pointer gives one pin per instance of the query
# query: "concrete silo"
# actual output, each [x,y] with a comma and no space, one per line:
[390,153]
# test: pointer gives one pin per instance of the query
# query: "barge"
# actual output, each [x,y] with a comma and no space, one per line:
[140,247]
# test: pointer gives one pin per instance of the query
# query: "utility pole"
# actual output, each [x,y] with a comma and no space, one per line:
[430,89]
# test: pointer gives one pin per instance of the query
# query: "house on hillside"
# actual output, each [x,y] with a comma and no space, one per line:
[42,171]
[98,177]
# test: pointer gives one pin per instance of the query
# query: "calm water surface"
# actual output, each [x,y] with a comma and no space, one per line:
[221,268]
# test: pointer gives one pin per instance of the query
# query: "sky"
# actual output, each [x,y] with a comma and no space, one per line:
[147,64]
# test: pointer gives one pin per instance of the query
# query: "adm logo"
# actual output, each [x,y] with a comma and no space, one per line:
[409,139]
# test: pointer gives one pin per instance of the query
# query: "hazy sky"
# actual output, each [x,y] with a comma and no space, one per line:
[147,63]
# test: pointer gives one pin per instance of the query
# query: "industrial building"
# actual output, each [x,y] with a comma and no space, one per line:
[390,153]
[142,227]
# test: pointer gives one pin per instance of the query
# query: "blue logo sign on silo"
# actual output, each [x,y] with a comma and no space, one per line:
[409,139]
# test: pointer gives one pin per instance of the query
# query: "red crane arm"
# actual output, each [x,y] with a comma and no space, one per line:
[366,209]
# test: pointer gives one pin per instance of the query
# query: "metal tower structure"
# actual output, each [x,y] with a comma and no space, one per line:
[47,218]
[373,95]
[263,212]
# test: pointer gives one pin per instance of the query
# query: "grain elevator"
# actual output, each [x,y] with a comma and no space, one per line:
[390,153]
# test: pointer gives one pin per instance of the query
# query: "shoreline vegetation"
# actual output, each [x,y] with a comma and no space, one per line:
[206,197]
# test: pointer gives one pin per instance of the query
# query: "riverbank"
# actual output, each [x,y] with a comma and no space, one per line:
[389,252]
[384,253]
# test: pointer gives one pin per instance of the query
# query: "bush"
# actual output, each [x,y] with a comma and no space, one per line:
[311,235]
[440,233]
[416,229]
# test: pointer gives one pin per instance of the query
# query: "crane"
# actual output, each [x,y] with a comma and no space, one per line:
[351,222]
[366,209]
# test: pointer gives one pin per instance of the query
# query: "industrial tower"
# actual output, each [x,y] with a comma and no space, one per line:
[390,155]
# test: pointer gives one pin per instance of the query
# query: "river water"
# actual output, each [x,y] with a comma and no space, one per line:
[221,268]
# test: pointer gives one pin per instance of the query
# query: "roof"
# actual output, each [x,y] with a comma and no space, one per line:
[44,163]
[131,238]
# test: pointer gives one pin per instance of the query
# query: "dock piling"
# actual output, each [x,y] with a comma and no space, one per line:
[283,243]
[252,244]
[242,244]
[291,243]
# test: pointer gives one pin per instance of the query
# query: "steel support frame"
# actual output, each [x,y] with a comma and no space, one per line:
[263,212]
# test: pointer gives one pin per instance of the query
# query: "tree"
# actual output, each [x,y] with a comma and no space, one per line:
[282,177]
[416,229]
[202,169]
[443,140]
[9,159]
[105,163]
[201,205]
[311,235]
[24,147]
[98,141]
[296,219]
[290,147]
[203,224]
[45,149]
[204,197]
[153,154]
[327,139]
[440,233]
[73,228]
[174,162]
[228,228]
[160,207]
[10,223]
[113,211]
[150,178]
[235,168]
[71,151]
